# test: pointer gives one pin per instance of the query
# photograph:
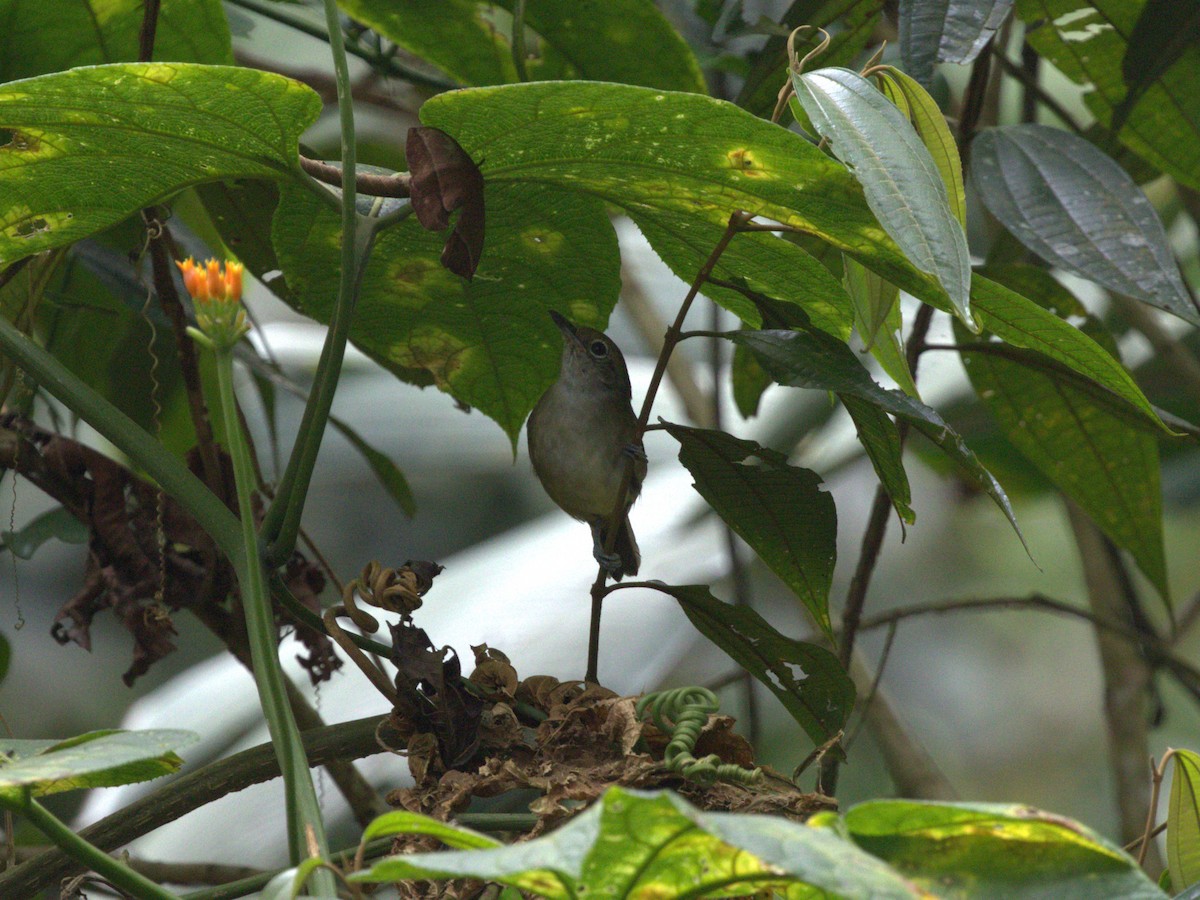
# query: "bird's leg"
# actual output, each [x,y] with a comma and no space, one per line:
[610,562]
[635,451]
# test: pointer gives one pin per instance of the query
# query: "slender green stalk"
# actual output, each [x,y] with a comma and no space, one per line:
[303,810]
[282,521]
[91,856]
[128,437]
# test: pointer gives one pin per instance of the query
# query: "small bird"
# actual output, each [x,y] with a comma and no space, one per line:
[582,434]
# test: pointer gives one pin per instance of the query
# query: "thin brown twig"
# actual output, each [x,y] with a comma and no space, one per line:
[736,222]
[397,185]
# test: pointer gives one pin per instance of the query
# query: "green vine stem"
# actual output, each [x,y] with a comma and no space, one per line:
[682,713]
[303,809]
[91,856]
[282,522]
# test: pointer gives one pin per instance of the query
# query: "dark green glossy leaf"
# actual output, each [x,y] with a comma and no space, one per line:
[881,440]
[994,851]
[1077,209]
[55,524]
[1087,40]
[639,844]
[902,183]
[48,37]
[490,342]
[1183,820]
[96,759]
[814,360]
[808,680]
[781,511]
[954,31]
[600,41]
[72,131]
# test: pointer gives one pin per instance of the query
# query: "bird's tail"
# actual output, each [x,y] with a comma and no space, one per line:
[626,547]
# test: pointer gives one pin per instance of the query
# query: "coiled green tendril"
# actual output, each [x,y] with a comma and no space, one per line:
[682,713]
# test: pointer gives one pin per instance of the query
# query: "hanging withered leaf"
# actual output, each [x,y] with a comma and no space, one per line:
[445,179]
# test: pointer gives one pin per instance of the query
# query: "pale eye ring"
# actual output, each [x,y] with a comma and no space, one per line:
[598,349]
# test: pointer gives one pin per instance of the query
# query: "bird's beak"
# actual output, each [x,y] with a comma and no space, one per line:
[569,331]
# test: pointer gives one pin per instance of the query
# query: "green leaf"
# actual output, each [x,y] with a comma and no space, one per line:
[1087,40]
[749,381]
[814,360]
[404,822]
[385,470]
[69,132]
[96,759]
[48,37]
[1077,209]
[1089,453]
[1022,323]
[921,109]
[808,680]
[878,319]
[781,511]
[881,440]
[1183,820]
[679,157]
[639,844]
[489,342]
[758,261]
[472,41]
[954,31]
[979,850]
[1037,284]
[689,158]
[901,180]
[1164,31]
[56,523]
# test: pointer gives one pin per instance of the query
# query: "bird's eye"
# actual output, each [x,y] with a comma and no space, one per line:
[599,349]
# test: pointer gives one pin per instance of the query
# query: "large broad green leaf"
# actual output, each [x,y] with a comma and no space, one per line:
[48,37]
[688,158]
[993,851]
[814,360]
[89,147]
[779,510]
[490,342]
[639,844]
[808,680]
[1087,40]
[1183,821]
[96,759]
[601,41]
[1088,452]
[1078,210]
[954,31]
[903,184]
